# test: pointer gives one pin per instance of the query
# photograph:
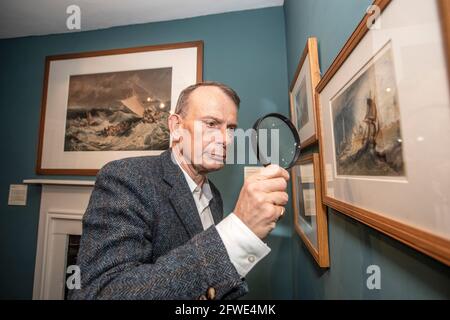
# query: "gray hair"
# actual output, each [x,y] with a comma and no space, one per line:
[183,99]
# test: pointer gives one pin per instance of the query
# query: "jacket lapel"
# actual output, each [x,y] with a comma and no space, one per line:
[180,195]
[216,207]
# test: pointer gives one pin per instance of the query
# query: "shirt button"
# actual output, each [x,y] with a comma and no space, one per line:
[251,259]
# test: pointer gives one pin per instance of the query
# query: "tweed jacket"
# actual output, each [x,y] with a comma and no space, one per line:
[143,237]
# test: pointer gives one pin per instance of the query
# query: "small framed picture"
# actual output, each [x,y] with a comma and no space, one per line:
[310,218]
[302,94]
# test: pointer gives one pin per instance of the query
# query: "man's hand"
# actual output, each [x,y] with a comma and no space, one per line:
[262,200]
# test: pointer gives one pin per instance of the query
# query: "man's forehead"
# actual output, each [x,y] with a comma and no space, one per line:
[208,93]
[211,100]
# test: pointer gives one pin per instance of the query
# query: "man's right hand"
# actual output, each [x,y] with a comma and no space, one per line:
[262,200]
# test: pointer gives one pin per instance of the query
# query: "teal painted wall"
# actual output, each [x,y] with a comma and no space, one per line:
[405,273]
[244,49]
[256,52]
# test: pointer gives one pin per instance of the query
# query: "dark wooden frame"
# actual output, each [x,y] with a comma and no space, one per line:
[423,241]
[49,59]
[321,253]
[311,51]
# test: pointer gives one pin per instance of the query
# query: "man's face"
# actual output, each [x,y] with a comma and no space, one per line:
[208,125]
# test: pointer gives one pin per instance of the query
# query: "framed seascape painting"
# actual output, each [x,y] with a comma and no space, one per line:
[310,218]
[384,112]
[107,105]
[301,94]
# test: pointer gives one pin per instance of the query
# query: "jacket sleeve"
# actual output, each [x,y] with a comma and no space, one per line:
[117,240]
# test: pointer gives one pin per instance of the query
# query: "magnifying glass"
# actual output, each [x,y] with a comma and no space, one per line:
[276,141]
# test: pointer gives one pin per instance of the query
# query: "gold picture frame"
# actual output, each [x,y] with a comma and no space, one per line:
[444,10]
[392,204]
[310,219]
[96,105]
[302,92]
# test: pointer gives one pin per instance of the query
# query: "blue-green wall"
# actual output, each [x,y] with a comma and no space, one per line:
[244,49]
[256,52]
[405,273]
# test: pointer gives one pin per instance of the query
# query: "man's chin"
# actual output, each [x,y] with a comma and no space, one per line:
[213,163]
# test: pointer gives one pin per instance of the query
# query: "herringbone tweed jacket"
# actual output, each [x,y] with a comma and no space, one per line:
[143,237]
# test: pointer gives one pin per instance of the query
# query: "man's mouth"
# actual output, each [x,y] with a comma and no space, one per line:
[217,157]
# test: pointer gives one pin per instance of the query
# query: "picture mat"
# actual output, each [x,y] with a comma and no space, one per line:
[307,202]
[305,74]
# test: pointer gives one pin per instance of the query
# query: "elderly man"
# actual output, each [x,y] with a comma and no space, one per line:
[154,227]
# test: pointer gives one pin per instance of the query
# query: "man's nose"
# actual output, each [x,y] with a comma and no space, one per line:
[222,136]
[227,136]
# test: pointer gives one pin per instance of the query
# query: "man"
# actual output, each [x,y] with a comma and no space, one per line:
[153,228]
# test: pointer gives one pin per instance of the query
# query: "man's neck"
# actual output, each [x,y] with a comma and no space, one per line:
[184,163]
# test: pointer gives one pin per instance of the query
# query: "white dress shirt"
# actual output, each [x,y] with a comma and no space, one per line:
[244,248]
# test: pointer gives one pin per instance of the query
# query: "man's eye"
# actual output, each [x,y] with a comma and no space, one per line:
[210,124]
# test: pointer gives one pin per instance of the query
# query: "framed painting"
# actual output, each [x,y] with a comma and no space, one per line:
[385,127]
[301,94]
[310,218]
[107,105]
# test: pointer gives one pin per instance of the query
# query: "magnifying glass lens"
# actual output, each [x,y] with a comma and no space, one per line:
[277,141]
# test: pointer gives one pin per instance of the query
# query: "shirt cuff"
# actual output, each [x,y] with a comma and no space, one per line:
[244,248]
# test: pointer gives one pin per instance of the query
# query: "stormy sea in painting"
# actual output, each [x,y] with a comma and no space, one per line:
[366,122]
[119,111]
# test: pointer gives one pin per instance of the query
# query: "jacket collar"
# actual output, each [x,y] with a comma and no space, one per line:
[181,196]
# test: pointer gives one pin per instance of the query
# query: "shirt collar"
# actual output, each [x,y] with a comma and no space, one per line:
[193,186]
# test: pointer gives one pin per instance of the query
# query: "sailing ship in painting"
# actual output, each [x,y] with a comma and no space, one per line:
[119,111]
[366,122]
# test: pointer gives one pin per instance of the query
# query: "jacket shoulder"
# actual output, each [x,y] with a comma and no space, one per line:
[133,167]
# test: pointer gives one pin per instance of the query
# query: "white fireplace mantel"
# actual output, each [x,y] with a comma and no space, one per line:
[63,203]
[59,182]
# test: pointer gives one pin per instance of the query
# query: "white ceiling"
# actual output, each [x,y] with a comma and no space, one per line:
[19,18]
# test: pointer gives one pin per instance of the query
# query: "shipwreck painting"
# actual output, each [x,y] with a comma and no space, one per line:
[118,111]
[366,122]
[301,106]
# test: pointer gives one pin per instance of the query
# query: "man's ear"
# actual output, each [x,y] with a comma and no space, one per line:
[175,127]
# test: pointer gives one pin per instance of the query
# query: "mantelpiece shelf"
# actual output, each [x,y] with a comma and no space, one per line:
[60,182]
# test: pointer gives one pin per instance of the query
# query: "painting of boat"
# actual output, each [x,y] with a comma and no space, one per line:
[366,122]
[119,111]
